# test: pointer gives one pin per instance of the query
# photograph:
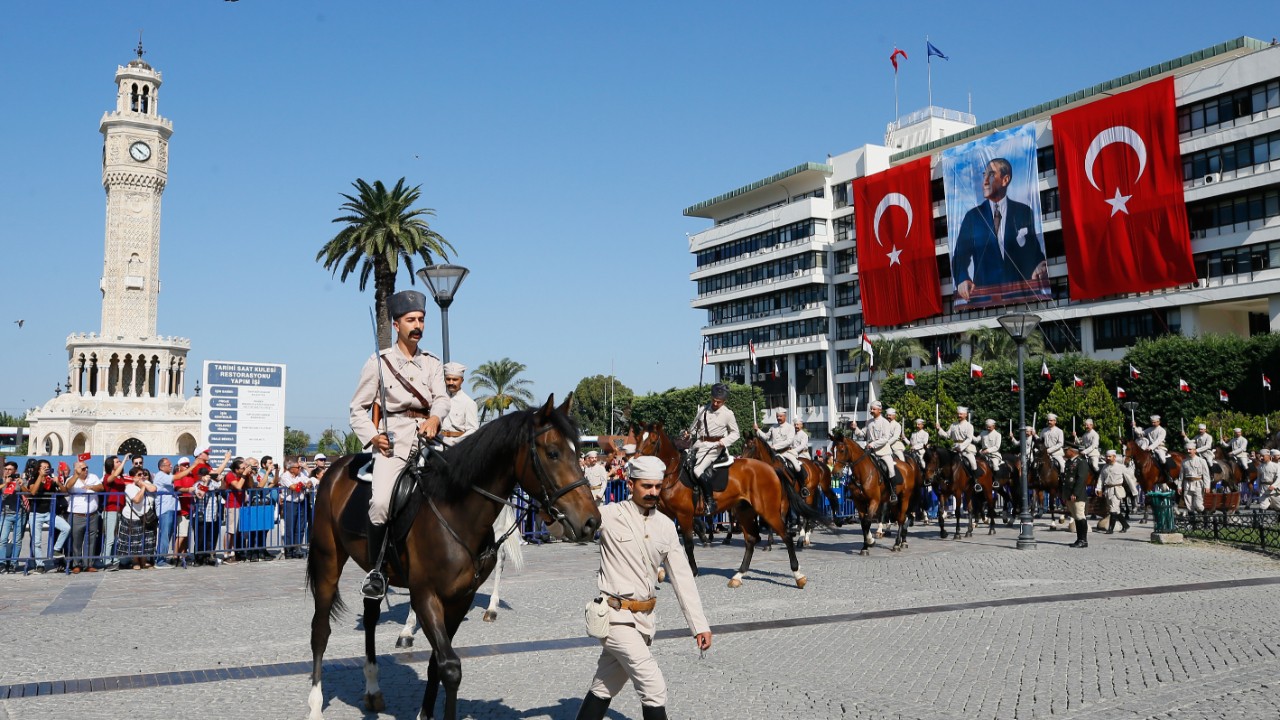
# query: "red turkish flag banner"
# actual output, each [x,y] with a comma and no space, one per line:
[897,266]
[1124,218]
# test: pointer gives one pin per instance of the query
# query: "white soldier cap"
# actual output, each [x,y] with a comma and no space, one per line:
[991,423]
[1236,430]
[1051,416]
[1155,418]
[919,421]
[629,448]
[962,410]
[876,405]
[780,412]
[891,412]
[1275,453]
[1029,429]
[593,453]
[646,467]
[1111,453]
[1202,426]
[1191,445]
[1088,422]
[454,369]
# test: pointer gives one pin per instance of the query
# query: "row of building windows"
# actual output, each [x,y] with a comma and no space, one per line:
[1235,209]
[1231,157]
[764,271]
[811,361]
[762,305]
[849,326]
[1234,261]
[794,232]
[1121,331]
[820,192]
[769,333]
[1226,108]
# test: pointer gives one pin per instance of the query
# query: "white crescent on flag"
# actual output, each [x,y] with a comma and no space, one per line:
[891,199]
[1114,134]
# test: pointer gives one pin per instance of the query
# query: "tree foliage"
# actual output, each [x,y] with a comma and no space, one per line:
[500,387]
[591,404]
[295,441]
[7,420]
[675,408]
[330,442]
[382,230]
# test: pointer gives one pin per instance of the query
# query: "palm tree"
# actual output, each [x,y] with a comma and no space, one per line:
[891,353]
[382,229]
[498,379]
[996,344]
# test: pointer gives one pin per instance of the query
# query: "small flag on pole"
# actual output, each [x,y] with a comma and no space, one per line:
[1134,373]
[894,58]
[775,368]
[909,379]
[1183,386]
[934,52]
[1077,381]
[751,350]
[1044,370]
[937,364]
[706,355]
[1266,382]
[1222,395]
[1119,393]
[866,348]
[1013,385]
[975,370]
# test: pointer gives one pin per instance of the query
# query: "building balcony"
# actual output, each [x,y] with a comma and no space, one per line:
[760,222]
[780,282]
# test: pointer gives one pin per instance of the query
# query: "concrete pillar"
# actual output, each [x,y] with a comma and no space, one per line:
[791,386]
[1086,336]
[1273,312]
[1190,320]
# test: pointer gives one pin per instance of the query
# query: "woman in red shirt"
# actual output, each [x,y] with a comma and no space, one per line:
[233,483]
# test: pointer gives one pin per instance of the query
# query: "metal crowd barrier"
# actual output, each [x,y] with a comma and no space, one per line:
[1256,528]
[223,526]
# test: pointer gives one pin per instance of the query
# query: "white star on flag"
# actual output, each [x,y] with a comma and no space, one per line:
[1119,203]
[893,257]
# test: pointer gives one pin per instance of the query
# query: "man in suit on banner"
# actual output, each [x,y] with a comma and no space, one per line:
[999,238]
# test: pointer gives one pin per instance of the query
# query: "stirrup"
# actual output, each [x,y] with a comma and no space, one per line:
[374,586]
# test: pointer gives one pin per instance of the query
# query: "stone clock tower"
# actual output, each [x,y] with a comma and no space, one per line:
[125,384]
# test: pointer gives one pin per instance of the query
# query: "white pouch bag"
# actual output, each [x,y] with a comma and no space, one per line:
[598,618]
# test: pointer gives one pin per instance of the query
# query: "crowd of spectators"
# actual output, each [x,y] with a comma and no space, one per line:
[71,519]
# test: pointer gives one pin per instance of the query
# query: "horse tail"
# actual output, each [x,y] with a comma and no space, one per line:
[510,546]
[802,508]
[337,607]
[314,568]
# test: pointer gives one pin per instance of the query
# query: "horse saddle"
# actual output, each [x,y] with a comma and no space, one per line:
[406,499]
[719,474]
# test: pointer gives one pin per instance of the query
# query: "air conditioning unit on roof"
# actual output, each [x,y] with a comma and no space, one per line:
[1212,178]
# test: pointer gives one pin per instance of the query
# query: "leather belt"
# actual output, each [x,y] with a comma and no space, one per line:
[413,414]
[711,438]
[452,433]
[635,606]
[1195,479]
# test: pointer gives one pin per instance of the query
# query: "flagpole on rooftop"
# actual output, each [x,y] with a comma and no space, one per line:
[928,60]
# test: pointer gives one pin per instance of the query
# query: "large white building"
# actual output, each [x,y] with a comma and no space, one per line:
[779,267]
[125,384]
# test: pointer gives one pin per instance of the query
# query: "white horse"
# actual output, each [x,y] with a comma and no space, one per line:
[509,550]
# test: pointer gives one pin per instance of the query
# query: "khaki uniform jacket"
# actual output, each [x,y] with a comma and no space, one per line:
[1054,441]
[463,417]
[1195,467]
[800,446]
[719,423]
[598,477]
[1089,444]
[423,371]
[1153,439]
[632,546]
[879,436]
[1111,476]
[989,443]
[961,436]
[779,437]
[1237,447]
[895,436]
[1204,444]
[920,440]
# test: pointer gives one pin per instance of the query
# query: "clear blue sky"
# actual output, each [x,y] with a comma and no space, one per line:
[558,143]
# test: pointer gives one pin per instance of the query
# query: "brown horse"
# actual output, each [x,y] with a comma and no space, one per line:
[450,548]
[1232,475]
[1149,475]
[867,487]
[754,492]
[816,479]
[975,496]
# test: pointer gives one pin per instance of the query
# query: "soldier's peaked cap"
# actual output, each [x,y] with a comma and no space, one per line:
[406,301]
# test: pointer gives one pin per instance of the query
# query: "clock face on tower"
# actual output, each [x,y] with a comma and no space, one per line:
[140,151]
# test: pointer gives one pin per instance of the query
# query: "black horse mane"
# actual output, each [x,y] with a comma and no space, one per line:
[471,461]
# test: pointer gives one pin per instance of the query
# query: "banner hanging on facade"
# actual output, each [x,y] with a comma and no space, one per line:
[993,220]
[1124,217]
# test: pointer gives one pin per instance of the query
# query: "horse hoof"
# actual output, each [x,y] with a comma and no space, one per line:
[801,582]
[374,702]
[662,575]
[807,543]
[735,583]
[489,615]
[864,551]
[404,642]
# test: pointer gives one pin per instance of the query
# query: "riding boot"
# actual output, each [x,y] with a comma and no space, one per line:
[593,707]
[893,493]
[1124,522]
[653,713]
[375,583]
[708,495]
[1111,523]
[1082,533]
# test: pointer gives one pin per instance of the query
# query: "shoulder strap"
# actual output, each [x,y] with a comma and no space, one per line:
[426,404]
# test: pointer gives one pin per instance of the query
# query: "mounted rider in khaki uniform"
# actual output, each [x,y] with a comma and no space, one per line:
[715,429]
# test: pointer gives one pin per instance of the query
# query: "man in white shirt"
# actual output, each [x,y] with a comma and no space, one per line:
[463,418]
[295,498]
[635,539]
[82,506]
[596,475]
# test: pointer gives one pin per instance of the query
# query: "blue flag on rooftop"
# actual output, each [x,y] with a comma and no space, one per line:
[933,51]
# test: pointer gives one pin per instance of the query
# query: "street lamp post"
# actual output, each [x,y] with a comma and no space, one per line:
[443,281]
[1020,326]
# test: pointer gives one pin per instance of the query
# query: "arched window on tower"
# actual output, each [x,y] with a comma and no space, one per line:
[146,99]
[133,98]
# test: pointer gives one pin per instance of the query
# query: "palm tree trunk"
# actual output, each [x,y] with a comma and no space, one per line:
[384,286]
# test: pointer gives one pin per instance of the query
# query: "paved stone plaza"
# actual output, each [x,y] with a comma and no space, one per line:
[949,629]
